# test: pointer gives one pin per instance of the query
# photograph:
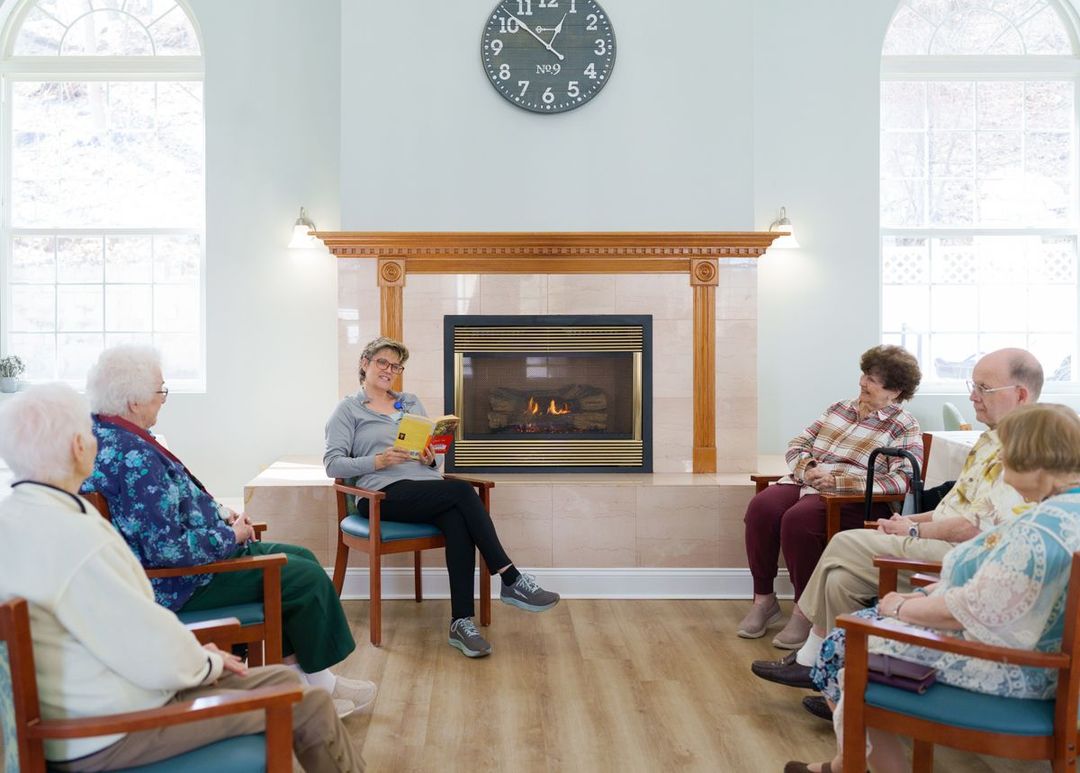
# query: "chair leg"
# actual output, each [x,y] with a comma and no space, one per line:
[341,563]
[922,757]
[375,604]
[485,593]
[418,579]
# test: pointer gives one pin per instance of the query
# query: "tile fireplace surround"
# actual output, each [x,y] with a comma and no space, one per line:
[672,533]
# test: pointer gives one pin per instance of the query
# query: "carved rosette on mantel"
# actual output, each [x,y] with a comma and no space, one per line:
[695,254]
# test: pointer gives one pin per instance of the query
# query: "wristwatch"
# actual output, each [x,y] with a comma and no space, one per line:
[913,530]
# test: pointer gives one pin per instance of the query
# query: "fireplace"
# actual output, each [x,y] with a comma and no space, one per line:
[549,393]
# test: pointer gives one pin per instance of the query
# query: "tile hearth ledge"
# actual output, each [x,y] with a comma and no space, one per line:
[678,520]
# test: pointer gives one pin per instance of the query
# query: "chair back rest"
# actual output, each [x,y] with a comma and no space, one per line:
[1068,689]
[347,500]
[99,501]
[952,418]
[18,687]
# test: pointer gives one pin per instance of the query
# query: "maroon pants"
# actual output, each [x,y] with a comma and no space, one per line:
[778,520]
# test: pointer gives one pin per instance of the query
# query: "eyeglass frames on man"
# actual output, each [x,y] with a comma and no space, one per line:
[980,389]
[164,392]
[382,363]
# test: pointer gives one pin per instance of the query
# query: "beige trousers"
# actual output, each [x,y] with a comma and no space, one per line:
[846,579]
[319,739]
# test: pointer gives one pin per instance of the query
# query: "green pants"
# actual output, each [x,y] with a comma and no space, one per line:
[313,623]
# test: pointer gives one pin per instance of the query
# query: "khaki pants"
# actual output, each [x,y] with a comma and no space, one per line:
[846,579]
[319,739]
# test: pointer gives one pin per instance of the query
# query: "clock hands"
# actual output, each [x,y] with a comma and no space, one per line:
[556,29]
[528,29]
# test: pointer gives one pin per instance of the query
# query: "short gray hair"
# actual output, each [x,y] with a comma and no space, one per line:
[36,430]
[122,374]
[376,346]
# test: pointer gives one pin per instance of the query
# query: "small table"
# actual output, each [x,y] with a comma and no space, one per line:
[947,454]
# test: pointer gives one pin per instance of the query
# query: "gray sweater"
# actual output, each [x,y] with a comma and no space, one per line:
[355,433]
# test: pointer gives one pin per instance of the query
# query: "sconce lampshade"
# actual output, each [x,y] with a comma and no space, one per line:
[300,238]
[783,225]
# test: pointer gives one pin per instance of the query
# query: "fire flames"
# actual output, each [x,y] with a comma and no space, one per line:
[552,409]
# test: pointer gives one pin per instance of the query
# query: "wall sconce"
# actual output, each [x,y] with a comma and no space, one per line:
[300,238]
[783,226]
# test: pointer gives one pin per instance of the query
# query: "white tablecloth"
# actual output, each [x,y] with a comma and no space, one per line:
[947,453]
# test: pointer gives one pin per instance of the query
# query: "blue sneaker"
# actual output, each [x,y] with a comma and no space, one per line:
[465,637]
[526,594]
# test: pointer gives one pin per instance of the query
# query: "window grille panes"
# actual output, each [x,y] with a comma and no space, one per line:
[106,28]
[979,186]
[977,27]
[107,202]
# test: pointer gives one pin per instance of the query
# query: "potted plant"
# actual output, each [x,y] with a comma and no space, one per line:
[10,369]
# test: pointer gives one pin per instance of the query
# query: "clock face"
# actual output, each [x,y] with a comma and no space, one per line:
[548,56]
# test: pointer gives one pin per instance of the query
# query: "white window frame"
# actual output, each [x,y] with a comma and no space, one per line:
[992,68]
[14,69]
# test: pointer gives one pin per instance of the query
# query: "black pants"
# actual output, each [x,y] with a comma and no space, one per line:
[453,507]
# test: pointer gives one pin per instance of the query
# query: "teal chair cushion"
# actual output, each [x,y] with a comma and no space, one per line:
[970,710]
[242,754]
[10,744]
[356,526]
[247,614]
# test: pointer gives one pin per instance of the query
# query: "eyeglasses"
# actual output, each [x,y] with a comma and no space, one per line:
[164,392]
[981,390]
[382,363]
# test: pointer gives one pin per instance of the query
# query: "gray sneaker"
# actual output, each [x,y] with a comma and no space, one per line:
[465,637]
[527,595]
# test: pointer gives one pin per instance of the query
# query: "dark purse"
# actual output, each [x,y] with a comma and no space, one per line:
[902,674]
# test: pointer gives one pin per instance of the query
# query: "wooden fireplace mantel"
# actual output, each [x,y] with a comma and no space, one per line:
[695,254]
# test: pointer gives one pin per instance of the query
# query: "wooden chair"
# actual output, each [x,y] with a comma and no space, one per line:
[260,623]
[378,538]
[834,500]
[950,716]
[24,731]
[923,572]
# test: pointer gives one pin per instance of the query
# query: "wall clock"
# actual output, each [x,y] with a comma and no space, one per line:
[548,56]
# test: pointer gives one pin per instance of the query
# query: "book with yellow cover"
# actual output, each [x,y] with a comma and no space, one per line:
[415,432]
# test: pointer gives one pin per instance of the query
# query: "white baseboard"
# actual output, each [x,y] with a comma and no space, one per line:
[629,583]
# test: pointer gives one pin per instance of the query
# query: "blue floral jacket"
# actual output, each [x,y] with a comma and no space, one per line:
[165,516]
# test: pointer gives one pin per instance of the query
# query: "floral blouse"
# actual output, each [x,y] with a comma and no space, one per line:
[163,513]
[1007,587]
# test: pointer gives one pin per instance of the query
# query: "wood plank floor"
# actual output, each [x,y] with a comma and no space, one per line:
[588,686]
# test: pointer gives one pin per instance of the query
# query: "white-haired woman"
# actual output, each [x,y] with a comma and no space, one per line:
[360,446]
[101,643]
[169,519]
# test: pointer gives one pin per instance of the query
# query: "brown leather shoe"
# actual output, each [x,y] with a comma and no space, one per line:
[818,706]
[784,671]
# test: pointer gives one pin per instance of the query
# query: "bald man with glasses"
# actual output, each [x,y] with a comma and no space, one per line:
[846,579]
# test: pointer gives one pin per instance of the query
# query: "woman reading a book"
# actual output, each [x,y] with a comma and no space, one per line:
[360,437]
[1005,587]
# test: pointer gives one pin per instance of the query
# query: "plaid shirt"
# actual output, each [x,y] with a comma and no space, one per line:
[841,443]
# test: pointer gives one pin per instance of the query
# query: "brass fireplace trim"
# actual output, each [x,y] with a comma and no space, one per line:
[549,453]
[530,338]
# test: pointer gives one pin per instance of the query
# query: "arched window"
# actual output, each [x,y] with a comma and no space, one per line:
[103,172]
[979,215]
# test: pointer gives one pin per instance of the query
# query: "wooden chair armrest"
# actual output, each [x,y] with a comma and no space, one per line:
[921,580]
[845,497]
[242,564]
[169,714]
[368,494]
[258,528]
[906,564]
[857,626]
[209,631]
[480,483]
